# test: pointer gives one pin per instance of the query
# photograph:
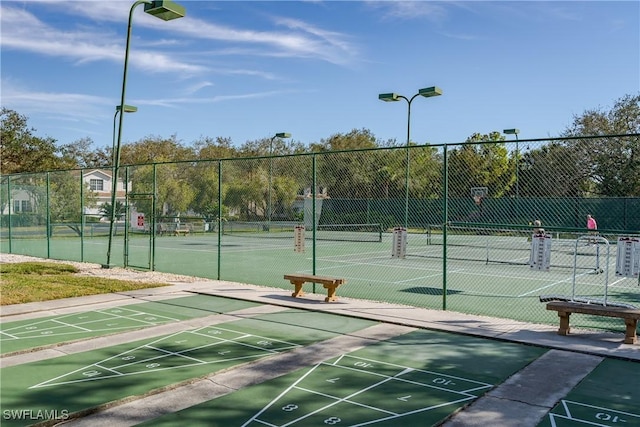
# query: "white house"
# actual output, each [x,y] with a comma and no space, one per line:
[98,181]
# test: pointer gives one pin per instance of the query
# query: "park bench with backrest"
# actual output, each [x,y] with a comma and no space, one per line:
[181,230]
[329,283]
[565,308]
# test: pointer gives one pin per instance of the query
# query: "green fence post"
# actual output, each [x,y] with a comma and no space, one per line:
[219,216]
[445,220]
[10,204]
[125,250]
[81,215]
[48,218]
[152,231]
[313,214]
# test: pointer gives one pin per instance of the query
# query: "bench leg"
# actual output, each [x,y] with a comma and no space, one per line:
[630,336]
[564,323]
[331,293]
[298,288]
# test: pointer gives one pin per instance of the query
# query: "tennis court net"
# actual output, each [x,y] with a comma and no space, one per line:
[504,245]
[287,229]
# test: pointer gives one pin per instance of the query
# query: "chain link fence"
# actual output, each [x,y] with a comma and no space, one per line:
[442,226]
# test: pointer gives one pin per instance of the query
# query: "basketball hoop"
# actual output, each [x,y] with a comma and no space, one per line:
[478,194]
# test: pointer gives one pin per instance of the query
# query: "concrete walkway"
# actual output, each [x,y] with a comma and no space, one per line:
[522,400]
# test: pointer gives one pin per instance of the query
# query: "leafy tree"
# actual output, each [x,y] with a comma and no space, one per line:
[105,210]
[79,154]
[609,166]
[480,165]
[425,173]
[347,175]
[285,190]
[155,150]
[203,176]
[21,150]
[218,148]
[173,189]
[246,195]
[353,140]
[549,172]
[65,204]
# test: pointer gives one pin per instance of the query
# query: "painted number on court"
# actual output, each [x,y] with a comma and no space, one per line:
[332,420]
[290,407]
[443,381]
[603,416]
[363,365]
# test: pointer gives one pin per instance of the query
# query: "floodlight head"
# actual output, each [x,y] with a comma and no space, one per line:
[283,135]
[127,108]
[389,97]
[430,91]
[511,131]
[165,9]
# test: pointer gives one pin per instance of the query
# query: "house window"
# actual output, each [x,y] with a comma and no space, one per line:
[22,206]
[96,184]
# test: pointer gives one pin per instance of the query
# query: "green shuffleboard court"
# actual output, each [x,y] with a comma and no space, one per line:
[54,389]
[609,396]
[417,379]
[34,333]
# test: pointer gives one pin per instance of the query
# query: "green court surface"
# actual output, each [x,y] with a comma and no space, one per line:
[57,387]
[417,379]
[609,396]
[487,275]
[34,333]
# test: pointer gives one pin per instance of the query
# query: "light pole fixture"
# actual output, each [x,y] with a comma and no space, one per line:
[162,9]
[127,109]
[515,132]
[277,135]
[392,97]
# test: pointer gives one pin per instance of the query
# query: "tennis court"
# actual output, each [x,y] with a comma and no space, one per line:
[487,272]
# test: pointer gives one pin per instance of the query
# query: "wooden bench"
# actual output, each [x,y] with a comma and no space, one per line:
[179,231]
[329,283]
[565,308]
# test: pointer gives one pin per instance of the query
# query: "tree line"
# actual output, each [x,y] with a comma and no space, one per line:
[606,164]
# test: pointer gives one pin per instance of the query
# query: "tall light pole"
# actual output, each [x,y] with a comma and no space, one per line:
[515,132]
[162,9]
[277,135]
[392,97]
[127,109]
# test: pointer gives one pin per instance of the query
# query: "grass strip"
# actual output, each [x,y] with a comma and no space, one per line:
[44,281]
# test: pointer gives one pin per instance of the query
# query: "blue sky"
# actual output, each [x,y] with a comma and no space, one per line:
[247,70]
